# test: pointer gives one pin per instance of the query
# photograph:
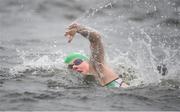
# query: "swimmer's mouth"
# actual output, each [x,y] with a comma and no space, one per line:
[79,71]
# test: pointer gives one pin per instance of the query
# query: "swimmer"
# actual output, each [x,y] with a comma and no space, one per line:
[96,65]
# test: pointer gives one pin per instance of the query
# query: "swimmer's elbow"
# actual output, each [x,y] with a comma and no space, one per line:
[95,37]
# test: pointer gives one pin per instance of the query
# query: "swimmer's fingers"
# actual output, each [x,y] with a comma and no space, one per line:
[70,39]
[76,26]
[72,30]
[73,25]
[66,33]
[70,34]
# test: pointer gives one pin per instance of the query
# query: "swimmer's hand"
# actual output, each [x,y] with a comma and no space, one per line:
[71,31]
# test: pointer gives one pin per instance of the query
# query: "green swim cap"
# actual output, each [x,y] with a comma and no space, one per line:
[72,56]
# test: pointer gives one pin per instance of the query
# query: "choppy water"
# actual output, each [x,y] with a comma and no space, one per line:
[139,36]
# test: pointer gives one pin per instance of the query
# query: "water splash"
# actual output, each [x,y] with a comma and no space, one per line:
[138,43]
[93,11]
[35,62]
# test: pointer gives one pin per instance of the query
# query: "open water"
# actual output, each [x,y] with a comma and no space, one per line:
[142,45]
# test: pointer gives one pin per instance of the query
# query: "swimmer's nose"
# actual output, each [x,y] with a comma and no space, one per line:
[75,67]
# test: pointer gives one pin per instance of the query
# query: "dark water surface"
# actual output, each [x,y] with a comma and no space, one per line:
[138,35]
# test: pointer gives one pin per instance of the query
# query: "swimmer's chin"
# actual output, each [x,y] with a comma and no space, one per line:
[80,72]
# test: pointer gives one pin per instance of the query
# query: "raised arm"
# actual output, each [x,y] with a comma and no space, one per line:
[97,51]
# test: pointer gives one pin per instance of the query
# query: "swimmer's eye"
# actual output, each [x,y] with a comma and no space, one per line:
[77,61]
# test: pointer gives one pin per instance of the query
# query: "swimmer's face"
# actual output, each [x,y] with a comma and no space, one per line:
[80,66]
